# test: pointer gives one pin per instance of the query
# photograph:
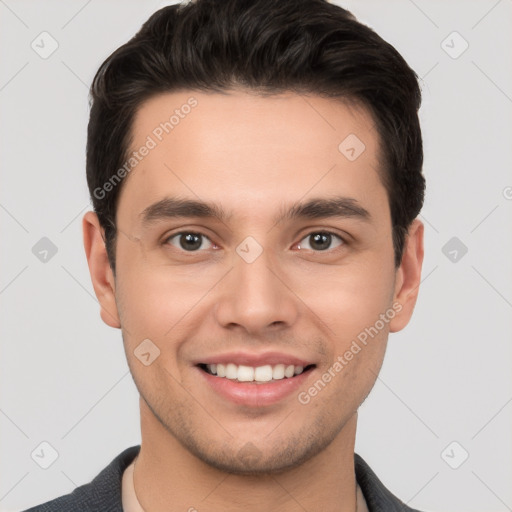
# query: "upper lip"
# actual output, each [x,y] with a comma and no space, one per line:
[255,360]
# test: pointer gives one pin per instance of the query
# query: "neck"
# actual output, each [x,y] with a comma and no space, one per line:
[167,477]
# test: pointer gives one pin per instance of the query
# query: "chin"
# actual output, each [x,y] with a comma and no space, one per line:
[259,458]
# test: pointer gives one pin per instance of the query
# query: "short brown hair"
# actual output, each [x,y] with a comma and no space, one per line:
[269,46]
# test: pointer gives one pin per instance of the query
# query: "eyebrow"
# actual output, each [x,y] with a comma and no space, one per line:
[317,208]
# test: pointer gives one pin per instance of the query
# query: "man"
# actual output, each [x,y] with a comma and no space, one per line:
[255,171]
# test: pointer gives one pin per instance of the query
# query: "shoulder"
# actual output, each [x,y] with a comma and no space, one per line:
[103,493]
[378,497]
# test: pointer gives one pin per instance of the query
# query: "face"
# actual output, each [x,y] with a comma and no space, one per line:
[284,275]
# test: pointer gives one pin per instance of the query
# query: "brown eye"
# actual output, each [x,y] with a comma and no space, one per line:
[188,241]
[320,241]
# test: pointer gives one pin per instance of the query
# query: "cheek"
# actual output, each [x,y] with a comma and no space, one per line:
[152,305]
[156,300]
[349,298]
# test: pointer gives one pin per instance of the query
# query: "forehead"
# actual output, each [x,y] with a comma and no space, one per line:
[249,152]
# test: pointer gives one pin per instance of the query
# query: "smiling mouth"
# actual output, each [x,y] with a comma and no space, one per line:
[258,375]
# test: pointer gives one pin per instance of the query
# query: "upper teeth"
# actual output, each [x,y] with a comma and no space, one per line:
[258,374]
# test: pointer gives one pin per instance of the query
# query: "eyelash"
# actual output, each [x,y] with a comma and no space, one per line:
[308,235]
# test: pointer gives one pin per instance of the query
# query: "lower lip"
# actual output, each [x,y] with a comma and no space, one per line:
[254,394]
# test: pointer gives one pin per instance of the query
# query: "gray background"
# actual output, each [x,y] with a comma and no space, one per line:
[446,378]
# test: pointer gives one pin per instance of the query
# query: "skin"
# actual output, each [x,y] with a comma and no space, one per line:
[252,155]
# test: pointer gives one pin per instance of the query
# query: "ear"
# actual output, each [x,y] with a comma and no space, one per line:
[99,267]
[408,276]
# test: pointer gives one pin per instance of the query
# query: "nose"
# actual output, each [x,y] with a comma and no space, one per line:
[257,297]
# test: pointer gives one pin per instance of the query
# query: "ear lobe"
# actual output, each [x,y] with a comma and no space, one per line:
[408,276]
[99,267]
